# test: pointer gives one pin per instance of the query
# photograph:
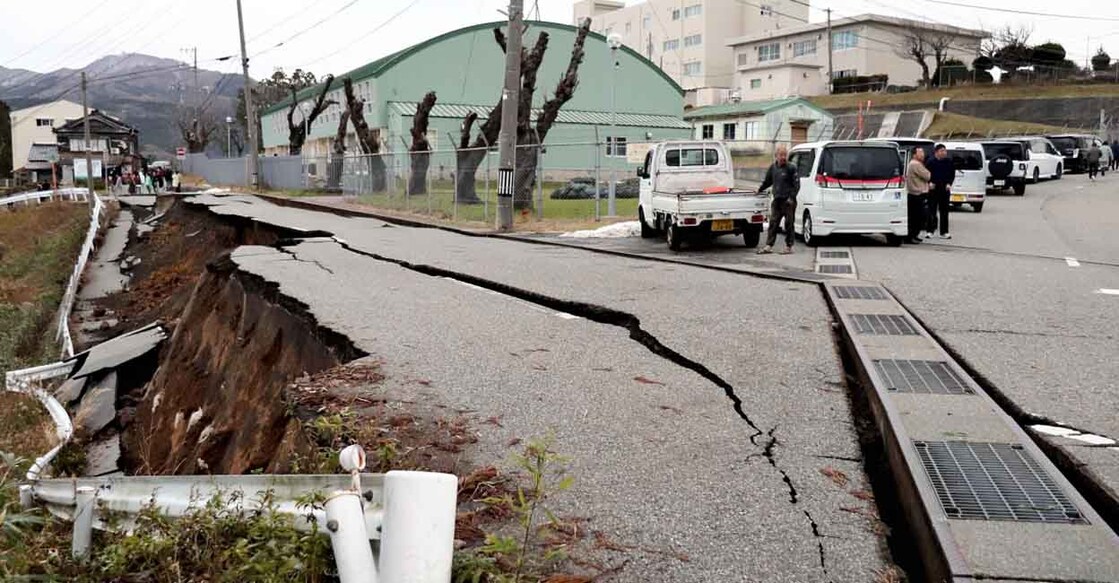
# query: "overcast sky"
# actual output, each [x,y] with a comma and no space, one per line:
[44,35]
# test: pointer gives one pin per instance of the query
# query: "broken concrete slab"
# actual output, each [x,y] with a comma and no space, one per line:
[69,391]
[103,276]
[98,407]
[103,455]
[124,348]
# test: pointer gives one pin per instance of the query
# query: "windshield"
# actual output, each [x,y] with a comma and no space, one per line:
[1064,143]
[1012,151]
[860,163]
[966,159]
[692,157]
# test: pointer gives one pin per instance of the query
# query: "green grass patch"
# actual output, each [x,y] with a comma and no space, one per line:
[38,246]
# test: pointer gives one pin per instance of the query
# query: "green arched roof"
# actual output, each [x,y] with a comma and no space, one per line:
[376,68]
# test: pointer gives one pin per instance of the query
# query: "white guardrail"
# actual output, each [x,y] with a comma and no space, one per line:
[41,195]
[67,305]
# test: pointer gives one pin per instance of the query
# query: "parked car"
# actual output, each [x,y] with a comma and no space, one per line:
[1006,165]
[970,185]
[850,187]
[907,145]
[1045,161]
[1074,149]
[583,188]
[687,193]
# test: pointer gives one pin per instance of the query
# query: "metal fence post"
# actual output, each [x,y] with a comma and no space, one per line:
[345,525]
[597,160]
[540,183]
[418,529]
[83,521]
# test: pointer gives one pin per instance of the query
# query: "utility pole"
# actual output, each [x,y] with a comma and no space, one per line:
[510,98]
[831,74]
[250,111]
[88,159]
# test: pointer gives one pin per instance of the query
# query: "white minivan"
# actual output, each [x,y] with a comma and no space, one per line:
[970,185]
[850,187]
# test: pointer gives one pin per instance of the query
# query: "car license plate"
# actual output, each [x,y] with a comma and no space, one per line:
[722,225]
[958,198]
[863,196]
[1000,183]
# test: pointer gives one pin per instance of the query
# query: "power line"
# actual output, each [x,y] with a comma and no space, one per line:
[61,30]
[308,29]
[364,36]
[1025,12]
[300,12]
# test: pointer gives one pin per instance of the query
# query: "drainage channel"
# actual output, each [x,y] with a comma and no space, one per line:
[983,501]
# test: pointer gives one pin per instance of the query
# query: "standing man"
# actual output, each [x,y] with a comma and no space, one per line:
[1115,154]
[942,174]
[785,181]
[917,188]
[1094,155]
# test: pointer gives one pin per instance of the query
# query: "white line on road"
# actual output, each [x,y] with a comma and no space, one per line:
[1072,262]
[567,316]
[1108,292]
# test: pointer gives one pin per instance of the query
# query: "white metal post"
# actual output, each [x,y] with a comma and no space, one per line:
[345,524]
[418,529]
[83,521]
[612,140]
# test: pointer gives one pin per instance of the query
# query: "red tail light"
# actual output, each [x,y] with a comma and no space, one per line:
[823,181]
[895,182]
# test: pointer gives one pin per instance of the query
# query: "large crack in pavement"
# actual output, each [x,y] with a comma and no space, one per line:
[632,324]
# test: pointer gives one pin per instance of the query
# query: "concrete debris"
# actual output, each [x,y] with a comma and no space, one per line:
[124,348]
[103,455]
[98,407]
[69,391]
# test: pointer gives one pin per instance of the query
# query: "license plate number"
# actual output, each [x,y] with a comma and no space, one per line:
[863,196]
[722,225]
[1000,183]
[958,198]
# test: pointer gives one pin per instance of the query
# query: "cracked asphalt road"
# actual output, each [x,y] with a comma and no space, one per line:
[667,465]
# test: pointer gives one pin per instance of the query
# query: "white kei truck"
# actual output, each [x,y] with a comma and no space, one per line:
[688,194]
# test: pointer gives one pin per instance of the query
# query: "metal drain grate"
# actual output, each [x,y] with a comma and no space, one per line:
[828,268]
[921,376]
[859,292]
[834,255]
[994,481]
[883,324]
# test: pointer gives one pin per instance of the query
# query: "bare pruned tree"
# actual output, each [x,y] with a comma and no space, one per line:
[297,132]
[338,150]
[197,126]
[421,148]
[368,140]
[919,44]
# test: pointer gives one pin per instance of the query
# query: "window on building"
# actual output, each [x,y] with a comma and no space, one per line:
[755,83]
[693,68]
[675,14]
[615,147]
[645,23]
[743,59]
[707,132]
[845,73]
[847,39]
[693,41]
[729,131]
[629,27]
[44,122]
[770,52]
[671,44]
[767,10]
[750,130]
[804,47]
[607,31]
[693,10]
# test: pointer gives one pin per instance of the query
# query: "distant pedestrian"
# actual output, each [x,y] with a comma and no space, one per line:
[917,189]
[1094,155]
[943,173]
[785,180]
[1115,154]
[176,181]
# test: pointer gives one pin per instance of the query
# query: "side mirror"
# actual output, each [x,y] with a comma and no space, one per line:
[641,173]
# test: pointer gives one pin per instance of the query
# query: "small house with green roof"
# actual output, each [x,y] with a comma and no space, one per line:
[757,125]
[465,69]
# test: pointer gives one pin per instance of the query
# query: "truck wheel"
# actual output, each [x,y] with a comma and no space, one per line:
[977,207]
[1060,171]
[752,236]
[672,237]
[810,238]
[1037,175]
[1020,187]
[647,232]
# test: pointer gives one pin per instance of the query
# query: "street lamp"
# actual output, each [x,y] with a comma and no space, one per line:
[228,137]
[306,108]
[614,41]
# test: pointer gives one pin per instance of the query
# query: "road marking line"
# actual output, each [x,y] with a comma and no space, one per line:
[1108,292]
[567,316]
[1072,262]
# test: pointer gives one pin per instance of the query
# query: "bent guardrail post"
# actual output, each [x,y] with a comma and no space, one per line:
[418,527]
[83,521]
[345,524]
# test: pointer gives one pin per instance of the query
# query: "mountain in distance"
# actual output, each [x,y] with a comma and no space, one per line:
[148,99]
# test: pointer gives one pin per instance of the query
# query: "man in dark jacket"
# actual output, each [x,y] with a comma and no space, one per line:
[1115,154]
[943,173]
[785,181]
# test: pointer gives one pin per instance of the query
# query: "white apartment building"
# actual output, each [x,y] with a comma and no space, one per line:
[793,62]
[35,125]
[688,39]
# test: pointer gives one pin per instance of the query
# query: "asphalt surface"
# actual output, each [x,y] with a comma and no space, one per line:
[661,458]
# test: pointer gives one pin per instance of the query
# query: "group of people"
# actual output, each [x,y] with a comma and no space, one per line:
[1095,155]
[928,184]
[151,181]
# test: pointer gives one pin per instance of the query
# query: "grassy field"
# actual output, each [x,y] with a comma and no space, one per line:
[951,125]
[38,246]
[966,92]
